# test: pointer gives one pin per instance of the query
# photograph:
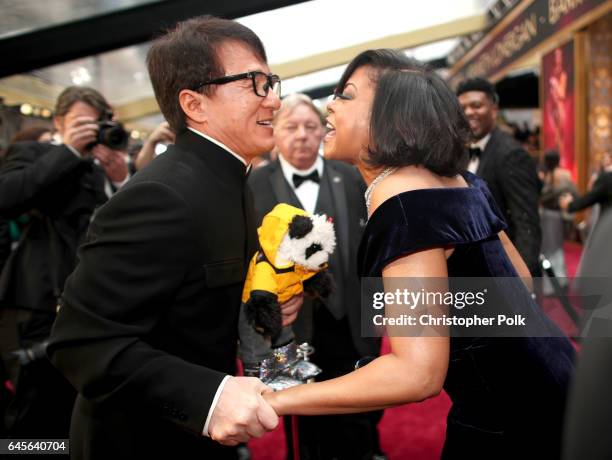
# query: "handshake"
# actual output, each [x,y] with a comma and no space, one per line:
[253,416]
[241,412]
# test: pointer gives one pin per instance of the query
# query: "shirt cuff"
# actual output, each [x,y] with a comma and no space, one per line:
[214,404]
[73,150]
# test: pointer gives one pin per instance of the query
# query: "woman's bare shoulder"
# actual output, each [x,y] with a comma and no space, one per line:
[408,179]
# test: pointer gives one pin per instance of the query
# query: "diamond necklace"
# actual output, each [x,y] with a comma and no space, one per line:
[375,182]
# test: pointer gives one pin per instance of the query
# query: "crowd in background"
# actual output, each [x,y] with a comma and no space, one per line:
[52,182]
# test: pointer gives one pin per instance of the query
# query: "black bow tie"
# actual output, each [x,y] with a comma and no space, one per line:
[299,180]
[475,152]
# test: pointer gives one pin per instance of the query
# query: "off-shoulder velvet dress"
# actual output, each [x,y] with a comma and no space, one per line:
[508,393]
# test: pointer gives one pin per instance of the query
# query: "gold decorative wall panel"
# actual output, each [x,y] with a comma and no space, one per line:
[599,43]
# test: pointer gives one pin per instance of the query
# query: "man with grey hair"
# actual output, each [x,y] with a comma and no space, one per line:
[303,178]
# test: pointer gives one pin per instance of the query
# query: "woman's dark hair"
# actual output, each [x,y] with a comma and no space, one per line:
[551,160]
[416,119]
[187,55]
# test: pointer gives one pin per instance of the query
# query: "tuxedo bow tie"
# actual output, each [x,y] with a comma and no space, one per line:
[475,152]
[299,180]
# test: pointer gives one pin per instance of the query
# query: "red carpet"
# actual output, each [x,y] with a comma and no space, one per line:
[414,431]
[551,305]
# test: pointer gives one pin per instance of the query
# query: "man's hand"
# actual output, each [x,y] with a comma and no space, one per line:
[112,161]
[241,412]
[291,308]
[80,132]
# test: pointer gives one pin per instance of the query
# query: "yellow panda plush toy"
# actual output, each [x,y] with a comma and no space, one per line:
[294,249]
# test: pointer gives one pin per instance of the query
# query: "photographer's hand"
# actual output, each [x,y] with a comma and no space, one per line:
[112,161]
[162,133]
[80,132]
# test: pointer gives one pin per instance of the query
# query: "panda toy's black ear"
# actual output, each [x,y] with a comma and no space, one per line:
[300,226]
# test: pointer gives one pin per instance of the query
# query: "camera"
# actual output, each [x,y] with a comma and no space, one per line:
[111,133]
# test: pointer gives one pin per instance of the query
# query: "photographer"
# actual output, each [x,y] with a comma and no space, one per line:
[58,186]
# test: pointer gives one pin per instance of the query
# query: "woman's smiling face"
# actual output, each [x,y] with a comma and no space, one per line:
[348,122]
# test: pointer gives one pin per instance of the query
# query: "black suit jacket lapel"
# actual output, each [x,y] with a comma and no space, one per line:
[332,201]
[327,203]
[283,191]
[487,155]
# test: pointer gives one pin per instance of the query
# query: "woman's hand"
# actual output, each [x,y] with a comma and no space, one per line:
[565,200]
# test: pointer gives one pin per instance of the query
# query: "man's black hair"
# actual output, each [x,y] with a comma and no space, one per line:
[478,84]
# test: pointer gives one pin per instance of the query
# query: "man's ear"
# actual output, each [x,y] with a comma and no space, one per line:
[193,105]
[58,123]
[494,112]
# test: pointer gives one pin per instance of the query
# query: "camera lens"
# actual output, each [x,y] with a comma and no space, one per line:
[113,135]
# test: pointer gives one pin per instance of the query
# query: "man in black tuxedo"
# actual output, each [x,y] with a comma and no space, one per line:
[57,186]
[302,178]
[509,170]
[147,330]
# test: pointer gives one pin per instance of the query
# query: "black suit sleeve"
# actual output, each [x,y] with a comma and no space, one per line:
[27,172]
[589,417]
[596,195]
[520,187]
[140,248]
[5,242]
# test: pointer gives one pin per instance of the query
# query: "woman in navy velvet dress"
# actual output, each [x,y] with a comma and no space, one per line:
[405,130]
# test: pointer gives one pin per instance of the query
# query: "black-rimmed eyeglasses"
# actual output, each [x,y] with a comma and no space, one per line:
[262,83]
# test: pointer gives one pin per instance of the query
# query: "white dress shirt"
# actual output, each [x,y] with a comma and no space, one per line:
[308,191]
[481,144]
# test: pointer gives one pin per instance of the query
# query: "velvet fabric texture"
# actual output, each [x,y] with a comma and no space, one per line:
[508,393]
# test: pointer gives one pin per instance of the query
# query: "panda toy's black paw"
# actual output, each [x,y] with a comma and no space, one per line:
[263,312]
[320,285]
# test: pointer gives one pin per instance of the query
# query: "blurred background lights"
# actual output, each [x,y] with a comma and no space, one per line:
[26,109]
[80,76]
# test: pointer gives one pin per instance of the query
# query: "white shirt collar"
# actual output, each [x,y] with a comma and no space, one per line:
[482,143]
[289,170]
[222,145]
